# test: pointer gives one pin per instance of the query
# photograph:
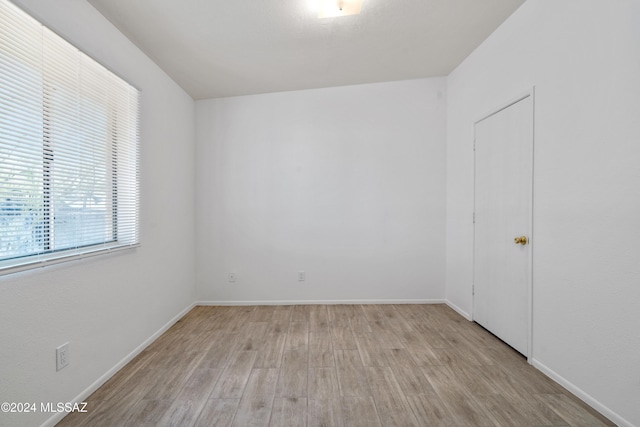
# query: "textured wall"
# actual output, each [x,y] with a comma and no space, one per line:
[106,306]
[584,59]
[345,183]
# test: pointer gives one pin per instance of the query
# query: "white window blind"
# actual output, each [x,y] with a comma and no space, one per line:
[68,149]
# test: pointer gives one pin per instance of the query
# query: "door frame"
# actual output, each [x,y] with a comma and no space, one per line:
[503,106]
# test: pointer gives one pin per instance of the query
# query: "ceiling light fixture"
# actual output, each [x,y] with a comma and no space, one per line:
[335,8]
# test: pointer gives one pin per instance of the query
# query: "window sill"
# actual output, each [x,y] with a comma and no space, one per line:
[58,258]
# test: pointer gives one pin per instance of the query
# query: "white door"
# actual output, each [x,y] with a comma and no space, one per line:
[503,209]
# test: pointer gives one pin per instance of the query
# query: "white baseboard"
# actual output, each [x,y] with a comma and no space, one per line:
[53,420]
[588,399]
[316,302]
[460,311]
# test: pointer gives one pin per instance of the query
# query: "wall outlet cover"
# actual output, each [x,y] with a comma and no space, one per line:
[62,356]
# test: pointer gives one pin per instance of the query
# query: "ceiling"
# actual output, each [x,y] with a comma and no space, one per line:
[216,48]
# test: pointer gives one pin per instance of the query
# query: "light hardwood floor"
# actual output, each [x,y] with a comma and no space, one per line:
[331,365]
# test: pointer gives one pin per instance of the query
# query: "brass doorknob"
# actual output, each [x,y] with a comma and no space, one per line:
[522,240]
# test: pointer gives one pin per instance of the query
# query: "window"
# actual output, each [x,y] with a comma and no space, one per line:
[68,149]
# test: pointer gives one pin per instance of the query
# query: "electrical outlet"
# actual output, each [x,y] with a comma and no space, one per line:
[232,277]
[62,356]
[301,276]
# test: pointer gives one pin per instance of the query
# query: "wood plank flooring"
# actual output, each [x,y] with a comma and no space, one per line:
[330,365]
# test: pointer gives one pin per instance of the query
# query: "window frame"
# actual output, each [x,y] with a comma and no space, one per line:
[129,179]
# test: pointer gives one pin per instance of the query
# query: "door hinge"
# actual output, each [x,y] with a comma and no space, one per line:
[474,217]
[473,290]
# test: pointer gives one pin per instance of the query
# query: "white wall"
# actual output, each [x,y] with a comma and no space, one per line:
[584,59]
[106,306]
[344,183]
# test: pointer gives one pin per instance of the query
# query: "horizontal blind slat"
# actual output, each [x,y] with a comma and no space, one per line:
[69,155]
